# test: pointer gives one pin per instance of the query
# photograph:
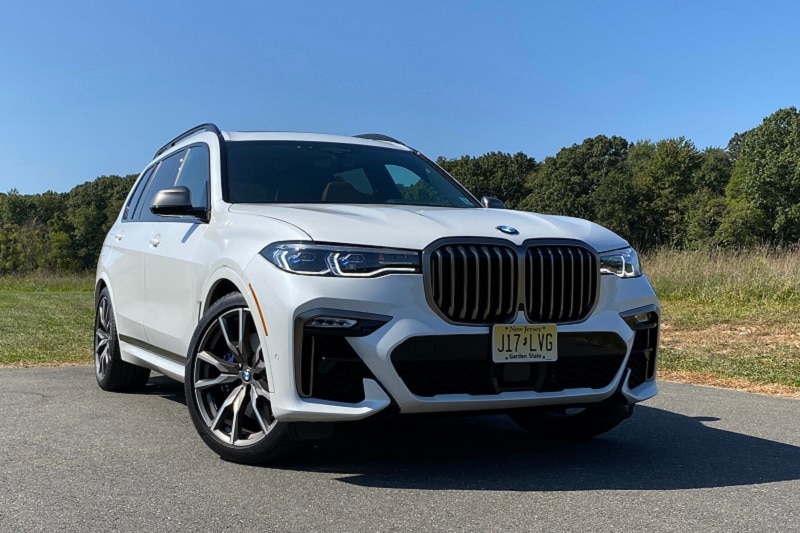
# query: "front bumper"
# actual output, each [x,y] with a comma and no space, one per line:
[286,298]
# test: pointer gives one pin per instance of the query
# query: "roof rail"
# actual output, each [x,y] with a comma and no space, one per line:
[197,129]
[379,137]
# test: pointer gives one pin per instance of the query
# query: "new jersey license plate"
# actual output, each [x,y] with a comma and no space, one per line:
[524,343]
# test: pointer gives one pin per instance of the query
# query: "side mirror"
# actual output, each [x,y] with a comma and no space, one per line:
[176,201]
[492,203]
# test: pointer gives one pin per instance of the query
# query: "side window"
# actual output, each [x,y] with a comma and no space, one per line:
[403,176]
[141,185]
[164,178]
[358,179]
[194,174]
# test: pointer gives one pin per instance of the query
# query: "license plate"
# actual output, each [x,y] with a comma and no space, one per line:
[524,344]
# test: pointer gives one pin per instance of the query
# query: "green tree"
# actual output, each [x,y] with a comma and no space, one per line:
[763,195]
[91,209]
[497,174]
[14,208]
[616,206]
[705,207]
[587,180]
[664,177]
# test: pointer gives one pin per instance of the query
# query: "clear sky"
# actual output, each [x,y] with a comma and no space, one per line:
[92,88]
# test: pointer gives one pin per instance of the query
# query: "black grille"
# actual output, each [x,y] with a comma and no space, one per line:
[461,364]
[474,283]
[478,283]
[561,283]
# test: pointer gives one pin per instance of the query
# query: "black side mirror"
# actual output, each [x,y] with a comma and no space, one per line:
[492,203]
[176,201]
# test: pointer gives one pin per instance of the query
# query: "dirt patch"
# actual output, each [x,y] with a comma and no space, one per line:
[740,338]
[711,380]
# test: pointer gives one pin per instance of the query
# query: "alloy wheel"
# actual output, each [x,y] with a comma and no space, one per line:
[102,336]
[229,380]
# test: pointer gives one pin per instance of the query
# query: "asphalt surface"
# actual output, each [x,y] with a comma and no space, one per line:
[75,458]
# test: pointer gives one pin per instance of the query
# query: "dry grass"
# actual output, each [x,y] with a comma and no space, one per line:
[47,282]
[719,286]
[730,318]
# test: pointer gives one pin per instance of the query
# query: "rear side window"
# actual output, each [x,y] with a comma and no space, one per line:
[165,176]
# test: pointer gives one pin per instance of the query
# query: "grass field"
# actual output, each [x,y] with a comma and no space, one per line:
[730,319]
[46,319]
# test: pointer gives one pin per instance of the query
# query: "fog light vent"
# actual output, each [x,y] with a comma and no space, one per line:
[331,322]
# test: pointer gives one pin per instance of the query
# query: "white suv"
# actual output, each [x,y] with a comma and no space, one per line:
[294,280]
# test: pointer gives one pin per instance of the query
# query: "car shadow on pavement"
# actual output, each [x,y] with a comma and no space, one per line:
[654,450]
[165,387]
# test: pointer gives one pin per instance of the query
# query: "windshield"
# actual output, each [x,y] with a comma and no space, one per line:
[318,172]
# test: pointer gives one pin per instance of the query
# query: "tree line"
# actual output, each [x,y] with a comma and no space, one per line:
[663,193]
[59,231]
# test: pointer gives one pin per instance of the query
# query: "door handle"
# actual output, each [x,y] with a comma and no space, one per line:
[155,241]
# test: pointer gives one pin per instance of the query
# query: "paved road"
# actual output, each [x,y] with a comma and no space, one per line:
[73,458]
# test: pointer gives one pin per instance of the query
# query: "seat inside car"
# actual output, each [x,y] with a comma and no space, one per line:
[341,191]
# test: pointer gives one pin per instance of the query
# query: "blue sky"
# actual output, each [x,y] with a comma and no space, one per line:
[92,88]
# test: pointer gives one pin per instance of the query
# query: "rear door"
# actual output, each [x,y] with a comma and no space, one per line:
[126,245]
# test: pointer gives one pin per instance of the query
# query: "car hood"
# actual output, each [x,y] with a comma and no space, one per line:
[415,227]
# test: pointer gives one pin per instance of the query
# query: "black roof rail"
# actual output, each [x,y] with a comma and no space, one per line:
[197,129]
[379,137]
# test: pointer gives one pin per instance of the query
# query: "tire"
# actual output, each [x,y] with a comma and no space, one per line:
[559,423]
[111,372]
[227,391]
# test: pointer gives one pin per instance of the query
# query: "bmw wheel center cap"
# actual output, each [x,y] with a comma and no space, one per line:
[247,375]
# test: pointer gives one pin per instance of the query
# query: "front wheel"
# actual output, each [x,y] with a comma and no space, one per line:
[571,423]
[227,390]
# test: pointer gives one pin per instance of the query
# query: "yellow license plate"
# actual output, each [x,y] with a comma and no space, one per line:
[524,344]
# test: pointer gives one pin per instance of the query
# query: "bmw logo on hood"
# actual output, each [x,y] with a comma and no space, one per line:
[508,230]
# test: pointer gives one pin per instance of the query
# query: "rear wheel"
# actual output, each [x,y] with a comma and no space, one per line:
[571,423]
[111,372]
[227,390]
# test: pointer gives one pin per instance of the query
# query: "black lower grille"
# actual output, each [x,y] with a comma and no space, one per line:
[644,353]
[331,370]
[461,364]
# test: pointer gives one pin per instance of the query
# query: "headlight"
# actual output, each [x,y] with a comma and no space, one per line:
[623,263]
[340,259]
